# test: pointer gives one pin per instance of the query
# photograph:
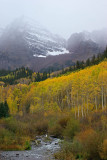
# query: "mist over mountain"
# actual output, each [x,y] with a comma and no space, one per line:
[24,34]
[88,43]
[100,37]
[26,42]
[1,31]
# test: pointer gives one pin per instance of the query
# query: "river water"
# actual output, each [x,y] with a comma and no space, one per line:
[43,148]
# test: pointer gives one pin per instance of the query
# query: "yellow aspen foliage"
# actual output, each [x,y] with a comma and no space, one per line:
[81,92]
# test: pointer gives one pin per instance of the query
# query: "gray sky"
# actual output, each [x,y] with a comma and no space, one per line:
[62,17]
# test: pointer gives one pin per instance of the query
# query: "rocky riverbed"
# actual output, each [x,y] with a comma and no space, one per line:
[42,148]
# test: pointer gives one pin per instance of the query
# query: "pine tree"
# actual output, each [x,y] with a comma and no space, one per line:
[88,62]
[93,60]
[38,77]
[2,112]
[82,64]
[70,68]
[6,108]
[77,65]
[44,76]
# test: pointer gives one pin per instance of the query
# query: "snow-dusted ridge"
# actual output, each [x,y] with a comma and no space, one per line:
[38,39]
[26,35]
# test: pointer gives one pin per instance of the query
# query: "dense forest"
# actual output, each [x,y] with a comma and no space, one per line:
[11,77]
[96,59]
[81,92]
[72,106]
[21,75]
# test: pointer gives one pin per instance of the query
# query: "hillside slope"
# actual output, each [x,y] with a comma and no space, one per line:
[81,92]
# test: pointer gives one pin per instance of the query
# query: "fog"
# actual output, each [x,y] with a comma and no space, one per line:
[62,17]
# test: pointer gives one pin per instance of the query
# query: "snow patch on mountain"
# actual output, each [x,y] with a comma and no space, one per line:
[39,56]
[54,53]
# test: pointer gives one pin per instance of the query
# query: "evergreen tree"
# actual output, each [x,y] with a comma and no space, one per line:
[88,62]
[70,68]
[38,77]
[93,60]
[77,65]
[82,64]
[4,110]
[49,74]
[44,76]
[63,71]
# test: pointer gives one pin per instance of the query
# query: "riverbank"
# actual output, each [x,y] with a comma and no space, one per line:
[42,148]
[83,138]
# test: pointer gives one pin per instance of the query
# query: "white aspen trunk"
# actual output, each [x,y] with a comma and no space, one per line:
[96,103]
[87,105]
[75,114]
[105,99]
[61,101]
[42,102]
[102,98]
[78,106]
[70,94]
[71,100]
[82,108]
[68,99]
[75,110]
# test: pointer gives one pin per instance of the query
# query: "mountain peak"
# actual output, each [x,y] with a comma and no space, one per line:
[25,40]
[37,38]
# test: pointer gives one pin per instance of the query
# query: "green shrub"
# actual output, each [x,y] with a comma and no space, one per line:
[103,150]
[63,121]
[71,129]
[41,126]
[56,131]
[12,141]
[66,152]
[27,146]
[15,126]
[90,140]
[5,136]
